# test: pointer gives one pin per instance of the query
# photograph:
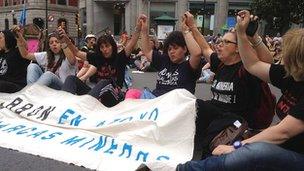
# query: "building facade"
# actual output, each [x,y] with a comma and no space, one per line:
[213,16]
[57,11]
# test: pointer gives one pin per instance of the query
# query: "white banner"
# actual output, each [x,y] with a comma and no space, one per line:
[80,130]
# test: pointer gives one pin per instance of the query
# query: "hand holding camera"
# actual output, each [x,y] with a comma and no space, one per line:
[16,30]
[247,23]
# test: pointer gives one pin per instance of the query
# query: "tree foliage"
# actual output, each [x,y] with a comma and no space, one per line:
[279,13]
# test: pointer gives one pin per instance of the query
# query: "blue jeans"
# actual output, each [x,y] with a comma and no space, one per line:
[255,156]
[36,75]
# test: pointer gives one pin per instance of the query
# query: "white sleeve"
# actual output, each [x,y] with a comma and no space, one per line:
[41,58]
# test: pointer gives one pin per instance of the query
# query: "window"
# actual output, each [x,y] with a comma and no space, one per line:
[53,1]
[6,2]
[73,3]
[16,2]
[14,21]
[62,2]
[6,24]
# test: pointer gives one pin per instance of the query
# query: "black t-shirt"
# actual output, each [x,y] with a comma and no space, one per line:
[172,76]
[234,90]
[290,103]
[109,68]
[13,67]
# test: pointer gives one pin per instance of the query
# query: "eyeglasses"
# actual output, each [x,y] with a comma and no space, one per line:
[226,42]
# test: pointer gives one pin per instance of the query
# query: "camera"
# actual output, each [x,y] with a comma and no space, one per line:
[252,27]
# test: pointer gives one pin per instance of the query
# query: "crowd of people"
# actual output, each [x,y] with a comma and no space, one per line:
[237,66]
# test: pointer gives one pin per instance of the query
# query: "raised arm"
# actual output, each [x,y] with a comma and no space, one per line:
[67,52]
[131,44]
[249,56]
[263,52]
[22,45]
[145,45]
[75,51]
[192,46]
[206,50]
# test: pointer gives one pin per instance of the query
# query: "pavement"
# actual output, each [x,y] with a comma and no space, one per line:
[11,160]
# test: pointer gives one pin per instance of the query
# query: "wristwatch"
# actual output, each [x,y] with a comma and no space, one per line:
[187,31]
[64,45]
[237,144]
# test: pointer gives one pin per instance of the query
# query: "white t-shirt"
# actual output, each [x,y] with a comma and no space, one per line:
[63,71]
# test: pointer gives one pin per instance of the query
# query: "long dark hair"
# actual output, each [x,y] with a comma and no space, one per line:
[104,39]
[51,55]
[10,40]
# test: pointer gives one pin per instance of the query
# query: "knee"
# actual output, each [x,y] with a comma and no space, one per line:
[70,78]
[49,74]
[33,67]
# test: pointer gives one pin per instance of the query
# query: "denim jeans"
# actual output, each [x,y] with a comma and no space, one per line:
[256,156]
[36,75]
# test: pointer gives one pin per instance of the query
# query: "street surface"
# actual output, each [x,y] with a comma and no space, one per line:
[11,160]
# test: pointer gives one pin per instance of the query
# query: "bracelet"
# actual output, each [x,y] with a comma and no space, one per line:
[64,45]
[187,31]
[256,44]
[237,144]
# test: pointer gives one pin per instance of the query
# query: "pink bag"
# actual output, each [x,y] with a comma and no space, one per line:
[133,94]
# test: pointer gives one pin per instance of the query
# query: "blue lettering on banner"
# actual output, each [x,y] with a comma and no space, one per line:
[101,143]
[73,140]
[115,120]
[52,135]
[15,128]
[153,115]
[112,147]
[100,123]
[104,141]
[126,119]
[74,121]
[3,125]
[155,112]
[126,147]
[37,134]
[86,143]
[143,154]
[25,131]
[162,157]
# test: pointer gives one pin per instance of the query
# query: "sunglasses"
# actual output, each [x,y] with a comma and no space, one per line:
[226,42]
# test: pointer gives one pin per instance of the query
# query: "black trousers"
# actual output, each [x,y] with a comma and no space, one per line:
[104,90]
[206,114]
[9,87]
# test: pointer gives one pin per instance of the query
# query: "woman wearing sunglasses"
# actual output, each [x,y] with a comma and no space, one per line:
[235,92]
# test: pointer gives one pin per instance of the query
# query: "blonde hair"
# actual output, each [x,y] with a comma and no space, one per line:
[293,53]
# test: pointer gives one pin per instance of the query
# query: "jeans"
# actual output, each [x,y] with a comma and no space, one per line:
[74,85]
[256,156]
[36,75]
[103,91]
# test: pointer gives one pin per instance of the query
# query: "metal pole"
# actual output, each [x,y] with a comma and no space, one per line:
[46,18]
[203,27]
